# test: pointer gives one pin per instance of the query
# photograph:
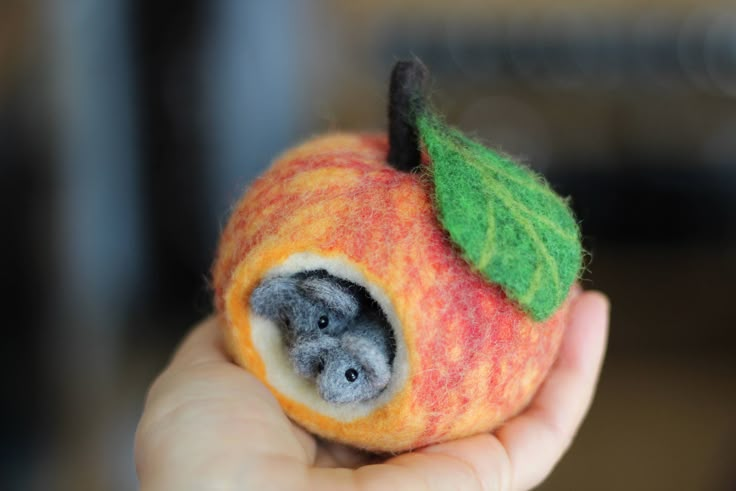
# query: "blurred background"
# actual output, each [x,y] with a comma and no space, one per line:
[128,128]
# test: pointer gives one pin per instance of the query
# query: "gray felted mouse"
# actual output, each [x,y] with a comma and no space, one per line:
[357,370]
[306,304]
[334,334]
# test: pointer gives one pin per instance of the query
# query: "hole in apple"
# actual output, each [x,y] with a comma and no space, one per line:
[330,327]
[270,341]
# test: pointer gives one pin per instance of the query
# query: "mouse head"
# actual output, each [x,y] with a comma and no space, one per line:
[357,370]
[306,305]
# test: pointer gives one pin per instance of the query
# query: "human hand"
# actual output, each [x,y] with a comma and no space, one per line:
[208,424]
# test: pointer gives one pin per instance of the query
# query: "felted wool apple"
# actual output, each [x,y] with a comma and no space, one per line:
[469,255]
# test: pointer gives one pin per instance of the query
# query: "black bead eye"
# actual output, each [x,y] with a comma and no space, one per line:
[351,374]
[323,322]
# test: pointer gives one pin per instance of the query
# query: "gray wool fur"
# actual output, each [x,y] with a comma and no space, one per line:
[356,371]
[308,355]
[334,333]
[305,306]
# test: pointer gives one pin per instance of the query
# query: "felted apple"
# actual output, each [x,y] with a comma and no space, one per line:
[469,255]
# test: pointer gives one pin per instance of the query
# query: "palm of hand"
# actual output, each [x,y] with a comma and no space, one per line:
[207,424]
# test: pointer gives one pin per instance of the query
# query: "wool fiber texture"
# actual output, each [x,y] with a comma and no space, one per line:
[330,326]
[508,222]
[471,358]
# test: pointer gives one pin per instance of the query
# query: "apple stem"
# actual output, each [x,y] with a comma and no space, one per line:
[406,97]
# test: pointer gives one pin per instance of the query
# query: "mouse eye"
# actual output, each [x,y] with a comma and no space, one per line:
[323,322]
[351,374]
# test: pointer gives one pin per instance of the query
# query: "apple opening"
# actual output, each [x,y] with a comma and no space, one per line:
[267,340]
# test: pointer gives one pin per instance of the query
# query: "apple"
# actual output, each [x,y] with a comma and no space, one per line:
[468,356]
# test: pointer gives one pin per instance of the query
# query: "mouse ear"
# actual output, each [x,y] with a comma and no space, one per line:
[328,291]
[273,295]
[370,356]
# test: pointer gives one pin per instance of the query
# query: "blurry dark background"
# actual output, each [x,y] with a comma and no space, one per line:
[127,129]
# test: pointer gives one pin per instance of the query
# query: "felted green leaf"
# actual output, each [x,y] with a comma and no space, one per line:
[504,217]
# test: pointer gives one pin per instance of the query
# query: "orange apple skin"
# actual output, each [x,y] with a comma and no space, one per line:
[475,359]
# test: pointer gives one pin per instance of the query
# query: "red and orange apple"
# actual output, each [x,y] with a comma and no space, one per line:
[467,356]
[471,260]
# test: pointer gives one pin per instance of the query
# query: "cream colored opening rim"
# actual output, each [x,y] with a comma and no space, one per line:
[267,340]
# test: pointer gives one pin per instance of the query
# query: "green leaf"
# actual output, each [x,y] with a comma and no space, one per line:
[504,217]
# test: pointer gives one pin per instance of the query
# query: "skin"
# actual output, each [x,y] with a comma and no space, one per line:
[208,425]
